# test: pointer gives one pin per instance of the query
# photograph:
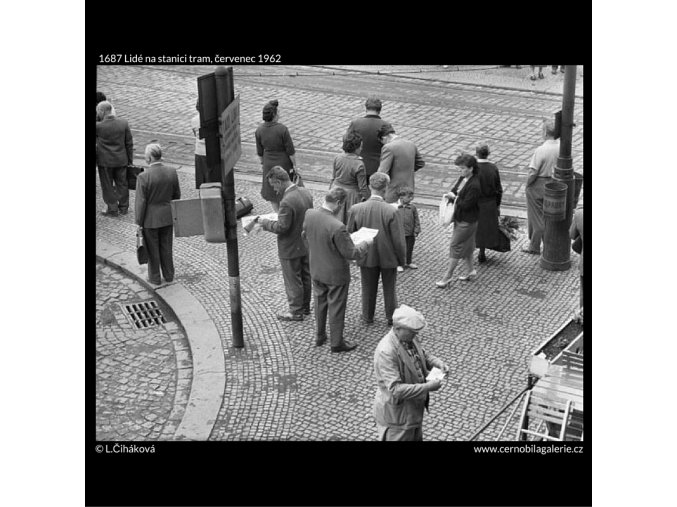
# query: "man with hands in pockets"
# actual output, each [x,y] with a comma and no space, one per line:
[401,366]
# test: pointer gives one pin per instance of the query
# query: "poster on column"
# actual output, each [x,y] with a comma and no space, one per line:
[229,129]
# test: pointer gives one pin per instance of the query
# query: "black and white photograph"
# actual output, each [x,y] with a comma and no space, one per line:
[339,253]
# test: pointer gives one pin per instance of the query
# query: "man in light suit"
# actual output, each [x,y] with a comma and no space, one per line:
[368,127]
[400,159]
[114,152]
[387,252]
[330,247]
[401,367]
[155,189]
[291,248]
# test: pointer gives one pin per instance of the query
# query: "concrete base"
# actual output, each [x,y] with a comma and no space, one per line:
[555,265]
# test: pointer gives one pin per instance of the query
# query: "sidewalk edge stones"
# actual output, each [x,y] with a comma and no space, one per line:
[209,374]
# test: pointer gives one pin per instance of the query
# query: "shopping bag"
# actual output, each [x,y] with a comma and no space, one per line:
[446,211]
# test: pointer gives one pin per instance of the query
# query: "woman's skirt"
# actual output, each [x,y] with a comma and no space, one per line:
[463,240]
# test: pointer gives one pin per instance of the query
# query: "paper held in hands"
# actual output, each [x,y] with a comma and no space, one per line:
[251,227]
[435,374]
[363,234]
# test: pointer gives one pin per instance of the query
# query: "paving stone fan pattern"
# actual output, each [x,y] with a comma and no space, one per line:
[281,387]
[143,375]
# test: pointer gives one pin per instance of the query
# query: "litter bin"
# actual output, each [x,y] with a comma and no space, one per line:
[554,201]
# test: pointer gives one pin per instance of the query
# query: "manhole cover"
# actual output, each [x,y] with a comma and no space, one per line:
[144,314]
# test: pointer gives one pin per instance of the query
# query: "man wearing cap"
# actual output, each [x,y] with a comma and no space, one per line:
[388,251]
[329,249]
[400,159]
[401,366]
[368,128]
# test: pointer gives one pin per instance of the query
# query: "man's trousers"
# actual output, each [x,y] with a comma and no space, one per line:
[114,188]
[330,301]
[369,277]
[159,245]
[297,284]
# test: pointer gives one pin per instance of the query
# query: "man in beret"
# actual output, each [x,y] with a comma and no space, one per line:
[400,159]
[401,366]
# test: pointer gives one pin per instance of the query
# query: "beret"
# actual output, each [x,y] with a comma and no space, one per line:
[405,316]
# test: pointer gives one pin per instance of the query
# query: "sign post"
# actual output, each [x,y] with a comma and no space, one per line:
[556,242]
[220,124]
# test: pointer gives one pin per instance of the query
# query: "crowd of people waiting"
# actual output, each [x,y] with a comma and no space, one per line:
[372,186]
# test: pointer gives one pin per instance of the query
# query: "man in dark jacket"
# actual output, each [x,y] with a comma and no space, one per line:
[114,152]
[400,159]
[386,254]
[368,128]
[155,189]
[330,247]
[291,249]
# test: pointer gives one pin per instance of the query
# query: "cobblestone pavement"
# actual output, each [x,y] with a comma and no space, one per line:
[280,386]
[143,375]
[317,104]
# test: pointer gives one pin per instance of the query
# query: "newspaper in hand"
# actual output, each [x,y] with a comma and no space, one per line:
[435,374]
[363,234]
[249,226]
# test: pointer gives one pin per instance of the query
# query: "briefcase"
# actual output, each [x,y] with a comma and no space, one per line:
[132,172]
[141,252]
[243,206]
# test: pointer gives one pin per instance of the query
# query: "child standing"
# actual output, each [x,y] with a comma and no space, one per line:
[412,226]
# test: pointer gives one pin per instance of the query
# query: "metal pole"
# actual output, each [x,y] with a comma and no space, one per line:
[225,94]
[556,244]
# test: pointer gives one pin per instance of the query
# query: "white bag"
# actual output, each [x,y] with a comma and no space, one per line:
[446,212]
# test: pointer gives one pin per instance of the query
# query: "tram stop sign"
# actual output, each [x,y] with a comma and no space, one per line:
[229,130]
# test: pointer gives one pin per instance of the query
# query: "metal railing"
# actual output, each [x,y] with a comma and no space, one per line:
[517,399]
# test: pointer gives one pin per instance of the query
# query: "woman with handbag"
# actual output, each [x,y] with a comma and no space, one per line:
[350,174]
[274,147]
[465,195]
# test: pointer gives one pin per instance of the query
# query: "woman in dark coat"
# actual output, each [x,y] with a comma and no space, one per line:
[274,147]
[465,195]
[488,235]
[350,174]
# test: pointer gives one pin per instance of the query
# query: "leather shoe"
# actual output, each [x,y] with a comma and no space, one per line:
[366,320]
[481,258]
[344,347]
[109,213]
[306,311]
[411,266]
[529,251]
[123,211]
[288,316]
[320,340]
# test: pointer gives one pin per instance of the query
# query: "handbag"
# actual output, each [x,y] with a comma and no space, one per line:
[577,245]
[243,206]
[141,252]
[133,172]
[295,177]
[446,211]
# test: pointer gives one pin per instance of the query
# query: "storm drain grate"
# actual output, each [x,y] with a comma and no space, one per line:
[144,314]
